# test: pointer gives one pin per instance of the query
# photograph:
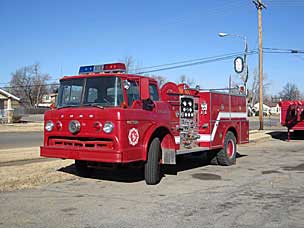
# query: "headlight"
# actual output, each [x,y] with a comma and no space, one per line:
[49,126]
[108,127]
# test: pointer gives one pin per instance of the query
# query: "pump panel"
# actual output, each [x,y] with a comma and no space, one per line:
[188,122]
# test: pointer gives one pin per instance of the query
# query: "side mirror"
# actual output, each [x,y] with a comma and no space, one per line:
[126,84]
[144,89]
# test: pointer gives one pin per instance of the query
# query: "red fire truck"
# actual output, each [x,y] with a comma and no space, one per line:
[106,116]
[292,115]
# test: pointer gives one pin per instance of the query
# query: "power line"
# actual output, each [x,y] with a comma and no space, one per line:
[5,83]
[185,63]
[282,50]
[31,86]
[189,61]
[196,63]
[173,63]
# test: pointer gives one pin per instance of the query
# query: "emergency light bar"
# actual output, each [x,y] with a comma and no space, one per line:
[105,68]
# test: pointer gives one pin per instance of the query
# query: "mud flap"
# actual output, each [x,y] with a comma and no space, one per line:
[168,156]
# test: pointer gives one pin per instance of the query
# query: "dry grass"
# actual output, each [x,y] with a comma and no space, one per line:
[15,154]
[34,175]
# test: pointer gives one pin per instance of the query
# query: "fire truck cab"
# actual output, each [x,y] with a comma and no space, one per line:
[106,116]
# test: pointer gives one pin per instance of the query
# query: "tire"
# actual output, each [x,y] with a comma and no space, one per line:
[212,157]
[227,155]
[298,133]
[82,168]
[152,166]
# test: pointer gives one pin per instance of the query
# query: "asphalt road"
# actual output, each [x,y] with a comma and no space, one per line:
[18,140]
[264,189]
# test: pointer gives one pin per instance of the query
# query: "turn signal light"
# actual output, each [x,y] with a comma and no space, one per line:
[98,126]
[58,125]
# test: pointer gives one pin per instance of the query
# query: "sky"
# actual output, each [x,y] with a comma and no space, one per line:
[62,35]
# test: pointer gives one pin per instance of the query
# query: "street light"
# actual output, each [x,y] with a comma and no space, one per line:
[223,34]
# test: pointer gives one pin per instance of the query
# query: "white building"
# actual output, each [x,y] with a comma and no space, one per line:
[266,109]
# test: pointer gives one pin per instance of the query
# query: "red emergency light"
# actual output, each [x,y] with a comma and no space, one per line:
[120,67]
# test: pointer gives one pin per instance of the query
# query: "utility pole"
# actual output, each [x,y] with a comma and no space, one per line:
[259,5]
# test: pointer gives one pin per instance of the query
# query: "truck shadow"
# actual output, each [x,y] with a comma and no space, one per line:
[134,174]
[282,135]
[118,174]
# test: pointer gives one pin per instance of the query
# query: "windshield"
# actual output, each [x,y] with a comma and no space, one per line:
[102,91]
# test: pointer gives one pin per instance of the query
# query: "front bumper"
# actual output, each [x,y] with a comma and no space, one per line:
[97,155]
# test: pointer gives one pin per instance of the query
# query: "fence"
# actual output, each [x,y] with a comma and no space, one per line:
[30,114]
[24,114]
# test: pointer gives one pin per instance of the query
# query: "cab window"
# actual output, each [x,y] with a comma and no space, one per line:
[132,92]
[153,92]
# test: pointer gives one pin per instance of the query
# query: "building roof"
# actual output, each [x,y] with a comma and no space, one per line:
[5,93]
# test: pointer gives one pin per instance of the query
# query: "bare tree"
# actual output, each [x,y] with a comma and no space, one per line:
[290,92]
[29,84]
[129,62]
[185,79]
[160,79]
[254,94]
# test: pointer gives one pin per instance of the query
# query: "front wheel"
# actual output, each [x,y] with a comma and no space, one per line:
[152,166]
[227,155]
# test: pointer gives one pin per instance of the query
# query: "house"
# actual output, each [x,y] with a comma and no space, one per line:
[8,102]
[275,109]
[266,108]
[271,108]
[47,100]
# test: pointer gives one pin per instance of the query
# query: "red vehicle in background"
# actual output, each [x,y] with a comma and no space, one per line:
[292,115]
[105,116]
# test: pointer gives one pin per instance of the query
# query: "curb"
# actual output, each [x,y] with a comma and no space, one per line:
[261,139]
[16,128]
[257,136]
[20,131]
[11,150]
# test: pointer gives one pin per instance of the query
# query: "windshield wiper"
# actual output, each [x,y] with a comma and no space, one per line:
[94,105]
[67,106]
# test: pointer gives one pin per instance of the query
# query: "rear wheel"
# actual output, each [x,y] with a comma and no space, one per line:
[82,168]
[227,155]
[298,133]
[152,166]
[212,157]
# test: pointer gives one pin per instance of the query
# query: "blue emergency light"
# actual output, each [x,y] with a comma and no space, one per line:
[86,69]
[105,68]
